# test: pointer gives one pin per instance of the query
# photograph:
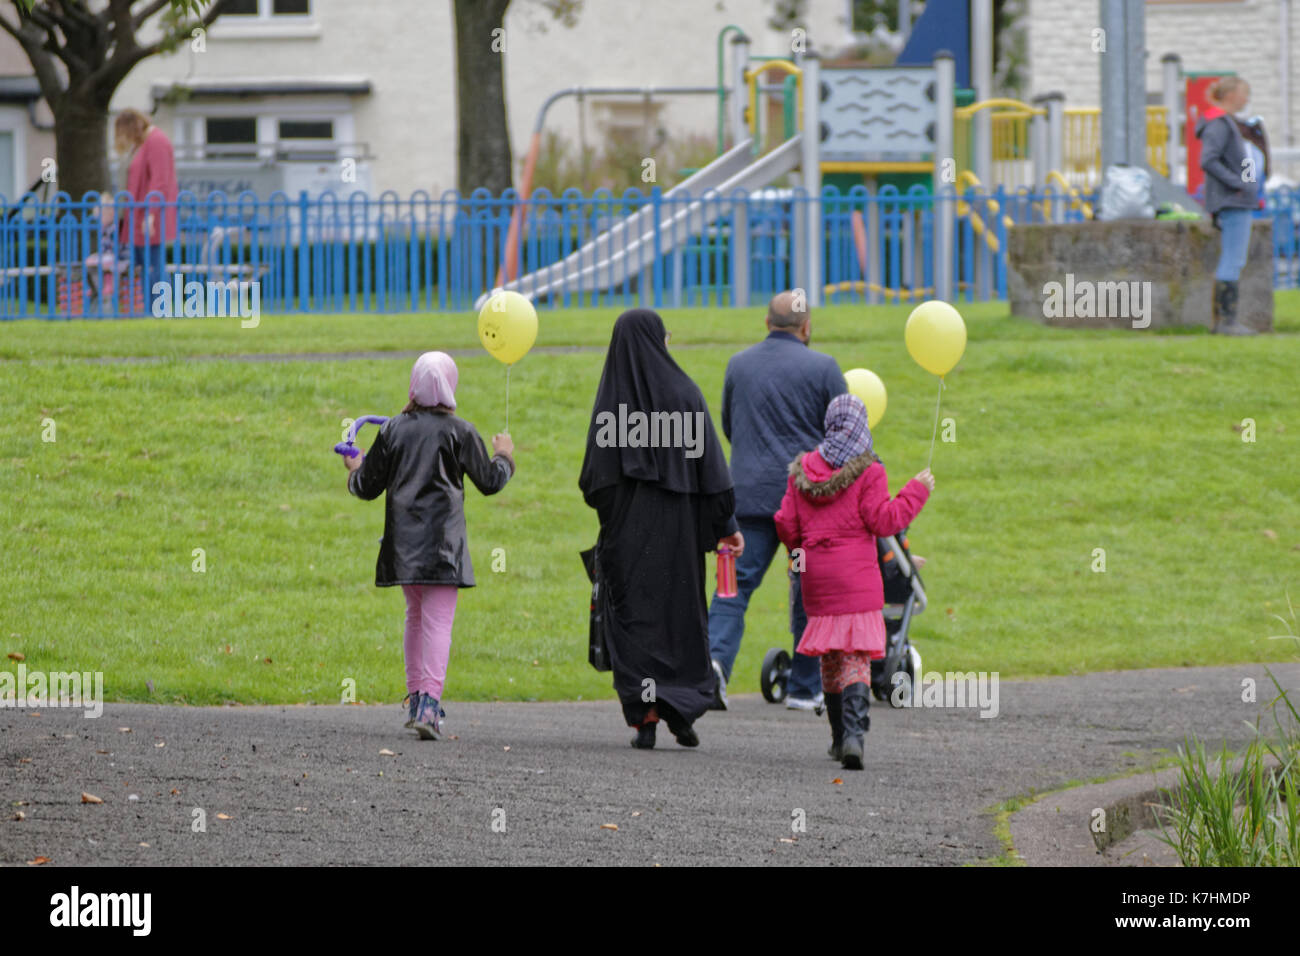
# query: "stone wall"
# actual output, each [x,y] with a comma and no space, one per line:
[1085,260]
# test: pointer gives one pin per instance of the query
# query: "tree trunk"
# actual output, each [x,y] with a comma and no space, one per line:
[81,142]
[483,138]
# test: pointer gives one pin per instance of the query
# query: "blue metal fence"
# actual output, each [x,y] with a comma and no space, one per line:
[66,258]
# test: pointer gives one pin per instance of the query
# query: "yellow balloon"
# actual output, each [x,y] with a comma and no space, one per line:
[507,326]
[867,385]
[935,336]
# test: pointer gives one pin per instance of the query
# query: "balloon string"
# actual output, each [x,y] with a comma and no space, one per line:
[935,433]
[507,399]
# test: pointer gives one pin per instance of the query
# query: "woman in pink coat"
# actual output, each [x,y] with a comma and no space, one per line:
[836,504]
[151,181]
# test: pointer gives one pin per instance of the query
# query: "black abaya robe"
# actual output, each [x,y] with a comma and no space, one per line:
[652,547]
[660,512]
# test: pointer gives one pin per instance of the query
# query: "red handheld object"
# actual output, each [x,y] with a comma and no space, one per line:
[727,573]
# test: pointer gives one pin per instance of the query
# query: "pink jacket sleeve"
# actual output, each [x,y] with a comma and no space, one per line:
[153,169]
[787,519]
[884,515]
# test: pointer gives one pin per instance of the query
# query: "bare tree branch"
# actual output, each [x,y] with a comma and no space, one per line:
[45,17]
[31,38]
[77,11]
[84,40]
[138,19]
[75,63]
[184,29]
[9,27]
[123,27]
[125,57]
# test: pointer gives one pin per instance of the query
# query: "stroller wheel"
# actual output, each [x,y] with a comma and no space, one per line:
[911,666]
[775,676]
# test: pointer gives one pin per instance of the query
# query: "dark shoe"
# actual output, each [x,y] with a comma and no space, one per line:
[1225,301]
[855,703]
[645,737]
[1216,298]
[426,718]
[681,730]
[834,713]
[719,689]
[413,705]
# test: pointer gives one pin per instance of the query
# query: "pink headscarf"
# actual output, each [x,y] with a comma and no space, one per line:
[433,380]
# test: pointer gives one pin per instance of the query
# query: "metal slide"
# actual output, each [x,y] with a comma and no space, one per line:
[628,247]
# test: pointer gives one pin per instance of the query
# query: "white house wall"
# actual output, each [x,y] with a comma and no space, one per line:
[405,48]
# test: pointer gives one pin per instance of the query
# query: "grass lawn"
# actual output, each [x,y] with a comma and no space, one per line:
[1067,441]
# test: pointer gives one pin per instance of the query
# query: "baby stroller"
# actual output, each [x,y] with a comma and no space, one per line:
[904,598]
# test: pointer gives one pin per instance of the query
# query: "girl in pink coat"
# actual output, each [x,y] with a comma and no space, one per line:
[836,504]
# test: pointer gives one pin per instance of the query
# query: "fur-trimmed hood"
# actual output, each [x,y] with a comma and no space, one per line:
[824,482]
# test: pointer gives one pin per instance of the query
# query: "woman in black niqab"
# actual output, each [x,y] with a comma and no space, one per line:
[661,510]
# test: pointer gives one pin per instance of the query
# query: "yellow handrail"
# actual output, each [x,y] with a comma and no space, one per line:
[1010,146]
[1077,200]
[964,112]
[751,80]
[858,285]
[967,179]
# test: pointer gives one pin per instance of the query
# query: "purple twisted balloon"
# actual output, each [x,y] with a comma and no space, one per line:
[348,449]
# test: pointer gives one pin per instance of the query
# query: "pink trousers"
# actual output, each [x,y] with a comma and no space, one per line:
[430,609]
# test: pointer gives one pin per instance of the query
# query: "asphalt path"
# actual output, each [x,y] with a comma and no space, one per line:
[546,783]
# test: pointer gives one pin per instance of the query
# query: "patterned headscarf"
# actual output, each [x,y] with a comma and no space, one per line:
[847,434]
[433,380]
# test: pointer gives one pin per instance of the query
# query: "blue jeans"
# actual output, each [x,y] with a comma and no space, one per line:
[150,260]
[727,615]
[1235,224]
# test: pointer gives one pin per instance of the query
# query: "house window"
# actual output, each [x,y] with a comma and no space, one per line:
[306,129]
[307,139]
[268,8]
[231,137]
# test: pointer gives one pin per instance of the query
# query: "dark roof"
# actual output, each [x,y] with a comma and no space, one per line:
[19,89]
[212,86]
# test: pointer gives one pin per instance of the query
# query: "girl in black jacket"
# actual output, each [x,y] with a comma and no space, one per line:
[420,458]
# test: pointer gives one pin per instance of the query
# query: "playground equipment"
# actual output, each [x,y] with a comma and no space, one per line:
[510,263]
[865,119]
[614,255]
[876,122]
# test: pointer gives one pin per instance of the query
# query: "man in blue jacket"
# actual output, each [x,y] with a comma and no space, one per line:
[774,400]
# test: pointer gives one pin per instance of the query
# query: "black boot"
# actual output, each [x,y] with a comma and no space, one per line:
[677,724]
[1225,297]
[835,714]
[856,702]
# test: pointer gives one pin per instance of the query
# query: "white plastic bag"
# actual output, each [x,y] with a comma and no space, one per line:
[1126,194]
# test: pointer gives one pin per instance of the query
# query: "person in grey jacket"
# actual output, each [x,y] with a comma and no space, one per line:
[1235,170]
[774,400]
